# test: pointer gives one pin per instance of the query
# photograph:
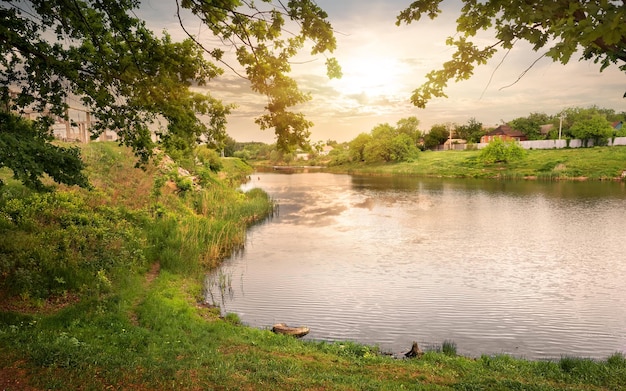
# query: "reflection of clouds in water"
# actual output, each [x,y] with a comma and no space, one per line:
[312,209]
[409,202]
[353,263]
[368,203]
[319,216]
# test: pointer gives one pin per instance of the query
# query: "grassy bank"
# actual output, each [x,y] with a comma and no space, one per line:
[102,289]
[599,163]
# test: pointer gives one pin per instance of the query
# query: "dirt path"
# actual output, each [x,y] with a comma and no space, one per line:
[155,269]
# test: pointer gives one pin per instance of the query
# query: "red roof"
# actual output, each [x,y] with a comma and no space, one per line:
[505,130]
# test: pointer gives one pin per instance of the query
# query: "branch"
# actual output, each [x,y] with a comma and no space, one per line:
[495,70]
[523,73]
[180,21]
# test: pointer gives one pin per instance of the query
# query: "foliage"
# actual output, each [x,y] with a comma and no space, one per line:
[102,54]
[151,330]
[229,146]
[531,125]
[341,154]
[357,147]
[258,41]
[499,151]
[576,115]
[26,148]
[387,144]
[410,127]
[472,131]
[209,158]
[448,348]
[559,29]
[437,135]
[596,128]
[54,243]
[252,150]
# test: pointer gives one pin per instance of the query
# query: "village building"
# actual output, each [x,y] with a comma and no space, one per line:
[505,133]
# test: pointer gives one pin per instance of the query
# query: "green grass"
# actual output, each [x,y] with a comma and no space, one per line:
[448,348]
[129,313]
[598,163]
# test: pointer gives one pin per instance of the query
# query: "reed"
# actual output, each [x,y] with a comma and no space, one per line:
[448,348]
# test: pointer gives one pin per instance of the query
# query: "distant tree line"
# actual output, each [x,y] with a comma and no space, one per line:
[403,141]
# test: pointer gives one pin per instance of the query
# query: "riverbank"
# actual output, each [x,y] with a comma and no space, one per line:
[106,293]
[597,163]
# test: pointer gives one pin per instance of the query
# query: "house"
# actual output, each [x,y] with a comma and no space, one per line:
[545,129]
[302,155]
[326,150]
[617,125]
[455,143]
[505,133]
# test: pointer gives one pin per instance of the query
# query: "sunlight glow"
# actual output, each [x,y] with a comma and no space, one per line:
[371,76]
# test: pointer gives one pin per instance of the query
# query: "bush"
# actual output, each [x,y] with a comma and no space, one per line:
[209,158]
[52,244]
[499,151]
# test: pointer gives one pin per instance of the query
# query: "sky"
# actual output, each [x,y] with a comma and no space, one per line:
[383,63]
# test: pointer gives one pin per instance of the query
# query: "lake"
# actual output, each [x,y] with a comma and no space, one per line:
[531,269]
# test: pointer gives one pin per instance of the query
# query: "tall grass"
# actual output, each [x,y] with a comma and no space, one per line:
[78,241]
[199,240]
[448,348]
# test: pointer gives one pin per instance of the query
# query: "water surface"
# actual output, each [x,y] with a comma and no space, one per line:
[531,269]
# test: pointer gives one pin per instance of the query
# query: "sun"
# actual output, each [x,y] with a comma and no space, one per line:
[371,76]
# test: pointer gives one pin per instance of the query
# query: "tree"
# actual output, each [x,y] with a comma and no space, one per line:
[558,28]
[531,125]
[26,149]
[389,144]
[101,54]
[357,146]
[472,131]
[378,149]
[410,127]
[573,115]
[596,128]
[438,135]
[386,143]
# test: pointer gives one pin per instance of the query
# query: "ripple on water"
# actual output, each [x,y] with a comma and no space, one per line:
[526,269]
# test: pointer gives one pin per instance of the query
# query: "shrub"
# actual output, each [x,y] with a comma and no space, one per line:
[499,151]
[209,158]
[52,244]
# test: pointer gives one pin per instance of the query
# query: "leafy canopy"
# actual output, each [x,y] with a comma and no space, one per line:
[26,148]
[99,54]
[472,131]
[531,125]
[559,29]
[595,128]
[437,135]
[387,143]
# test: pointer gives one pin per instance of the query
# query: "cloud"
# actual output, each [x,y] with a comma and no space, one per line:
[384,63]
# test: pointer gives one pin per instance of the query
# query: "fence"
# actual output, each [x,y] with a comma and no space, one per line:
[545,144]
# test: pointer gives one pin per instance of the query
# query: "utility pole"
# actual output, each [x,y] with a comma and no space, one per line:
[560,124]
